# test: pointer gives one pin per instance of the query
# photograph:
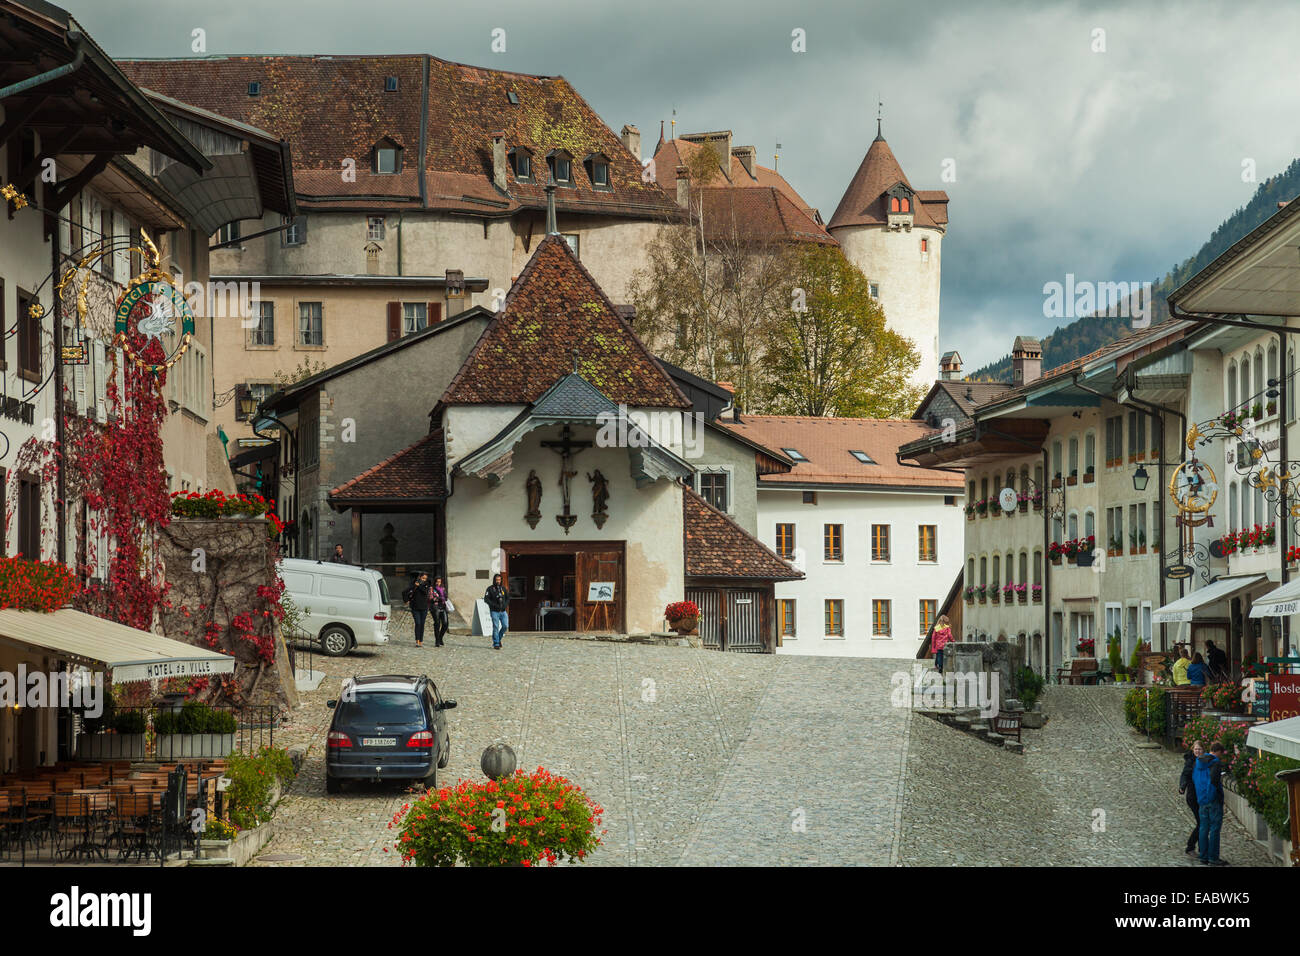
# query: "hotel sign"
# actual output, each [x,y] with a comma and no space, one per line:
[162,670]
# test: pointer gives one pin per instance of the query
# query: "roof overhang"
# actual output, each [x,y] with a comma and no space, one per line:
[979,443]
[1279,736]
[1257,275]
[131,654]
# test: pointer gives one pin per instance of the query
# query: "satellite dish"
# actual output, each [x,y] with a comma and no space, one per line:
[1007,499]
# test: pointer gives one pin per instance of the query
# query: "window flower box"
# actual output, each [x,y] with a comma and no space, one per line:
[1072,480]
[1089,477]
[1037,593]
[1022,593]
[1056,482]
[190,746]
[970,595]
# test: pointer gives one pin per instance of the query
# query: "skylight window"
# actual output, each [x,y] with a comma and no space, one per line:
[793,454]
[863,457]
[390,84]
[255,88]
[513,97]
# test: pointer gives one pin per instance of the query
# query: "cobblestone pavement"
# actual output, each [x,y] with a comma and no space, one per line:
[702,758]
[1081,795]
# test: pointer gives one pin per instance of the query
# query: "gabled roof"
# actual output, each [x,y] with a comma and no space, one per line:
[335,108]
[669,154]
[554,307]
[717,547]
[827,444]
[864,202]
[967,396]
[756,214]
[573,397]
[416,474]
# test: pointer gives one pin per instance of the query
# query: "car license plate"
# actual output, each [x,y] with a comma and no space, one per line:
[379,741]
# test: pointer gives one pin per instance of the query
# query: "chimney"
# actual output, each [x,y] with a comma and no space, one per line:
[552,228]
[950,367]
[683,187]
[747,156]
[1026,360]
[632,140]
[499,159]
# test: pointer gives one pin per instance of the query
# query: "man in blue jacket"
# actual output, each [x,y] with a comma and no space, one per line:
[1208,778]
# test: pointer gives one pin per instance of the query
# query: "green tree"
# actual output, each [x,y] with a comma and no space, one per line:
[830,353]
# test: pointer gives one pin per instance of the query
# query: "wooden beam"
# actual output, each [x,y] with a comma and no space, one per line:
[17,119]
[63,195]
[51,147]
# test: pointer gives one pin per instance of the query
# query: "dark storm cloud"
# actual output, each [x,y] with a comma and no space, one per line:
[1111,166]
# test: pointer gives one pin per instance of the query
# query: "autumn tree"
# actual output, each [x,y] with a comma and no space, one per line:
[831,353]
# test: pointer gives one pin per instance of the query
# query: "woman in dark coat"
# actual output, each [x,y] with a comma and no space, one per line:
[1185,786]
[1197,672]
[438,604]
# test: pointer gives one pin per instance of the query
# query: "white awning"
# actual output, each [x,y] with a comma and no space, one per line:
[131,654]
[1185,607]
[1279,737]
[1280,602]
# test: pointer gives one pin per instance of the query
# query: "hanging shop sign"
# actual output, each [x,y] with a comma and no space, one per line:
[155,308]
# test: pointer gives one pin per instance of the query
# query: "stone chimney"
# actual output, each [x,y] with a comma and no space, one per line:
[950,367]
[683,187]
[720,143]
[747,156]
[499,159]
[1026,360]
[631,137]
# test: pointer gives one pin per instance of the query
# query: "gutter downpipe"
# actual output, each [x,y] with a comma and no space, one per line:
[1047,577]
[1284,538]
[40,79]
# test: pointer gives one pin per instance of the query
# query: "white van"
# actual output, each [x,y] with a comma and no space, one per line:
[342,605]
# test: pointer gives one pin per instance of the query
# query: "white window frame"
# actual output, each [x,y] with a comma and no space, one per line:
[411,315]
[729,473]
[375,228]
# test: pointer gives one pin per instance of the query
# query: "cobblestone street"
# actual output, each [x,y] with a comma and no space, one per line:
[703,758]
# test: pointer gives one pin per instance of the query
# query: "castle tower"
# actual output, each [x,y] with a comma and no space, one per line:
[894,234]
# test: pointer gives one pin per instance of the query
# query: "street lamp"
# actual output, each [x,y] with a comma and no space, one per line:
[247,403]
[1140,479]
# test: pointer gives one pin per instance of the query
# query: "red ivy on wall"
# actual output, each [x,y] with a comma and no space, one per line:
[117,469]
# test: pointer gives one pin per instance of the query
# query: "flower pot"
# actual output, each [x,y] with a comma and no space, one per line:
[1083,559]
[110,747]
[685,625]
[1089,478]
[1032,720]
[1056,559]
[1072,481]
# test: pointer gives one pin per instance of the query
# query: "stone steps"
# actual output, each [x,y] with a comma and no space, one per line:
[969,720]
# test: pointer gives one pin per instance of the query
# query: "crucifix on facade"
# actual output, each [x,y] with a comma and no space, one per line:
[566,447]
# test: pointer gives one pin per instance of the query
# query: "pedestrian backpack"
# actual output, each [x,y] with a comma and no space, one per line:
[408,594]
[1203,776]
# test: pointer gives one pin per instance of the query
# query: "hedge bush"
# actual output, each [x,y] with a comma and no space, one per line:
[1135,709]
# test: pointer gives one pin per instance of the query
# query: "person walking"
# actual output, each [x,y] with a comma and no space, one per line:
[440,606]
[1188,788]
[1207,774]
[498,602]
[941,638]
[1197,671]
[418,596]
[1180,667]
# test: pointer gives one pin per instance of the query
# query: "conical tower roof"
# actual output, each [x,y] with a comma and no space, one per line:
[863,203]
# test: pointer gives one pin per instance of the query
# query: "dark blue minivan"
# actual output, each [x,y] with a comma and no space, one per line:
[389,727]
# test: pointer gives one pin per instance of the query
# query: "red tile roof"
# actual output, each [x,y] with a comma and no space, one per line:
[864,202]
[416,473]
[335,108]
[717,547]
[670,154]
[761,214]
[827,443]
[554,307]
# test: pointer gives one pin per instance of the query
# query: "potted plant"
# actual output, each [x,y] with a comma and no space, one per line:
[196,731]
[1022,501]
[1087,647]
[683,616]
[1022,593]
[1056,481]
[546,818]
[1257,411]
[1008,592]
[1135,662]
[970,594]
[1272,407]
[1036,591]
[1089,476]
[970,512]
[995,592]
[1115,655]
[218,834]
[1114,547]
[1054,552]
[1074,477]
[1086,551]
[1029,691]
[982,507]
[981,592]
[121,738]
[1036,499]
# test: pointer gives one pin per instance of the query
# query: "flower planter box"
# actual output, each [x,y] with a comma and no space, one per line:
[186,746]
[983,599]
[1072,481]
[1083,559]
[1023,598]
[1056,483]
[1089,478]
[1038,599]
[1032,720]
[110,747]
[1056,559]
[215,849]
[1038,506]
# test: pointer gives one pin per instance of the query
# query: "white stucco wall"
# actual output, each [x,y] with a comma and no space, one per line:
[909,283]
[649,519]
[857,580]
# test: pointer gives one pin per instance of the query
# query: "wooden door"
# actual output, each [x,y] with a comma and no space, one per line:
[744,633]
[710,626]
[593,567]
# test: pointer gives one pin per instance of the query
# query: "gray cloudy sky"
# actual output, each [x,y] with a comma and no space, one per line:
[1111,166]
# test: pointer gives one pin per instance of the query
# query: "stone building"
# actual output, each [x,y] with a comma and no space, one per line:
[425,198]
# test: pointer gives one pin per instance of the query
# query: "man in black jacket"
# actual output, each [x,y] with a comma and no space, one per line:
[498,602]
[418,600]
[1185,786]
[1216,661]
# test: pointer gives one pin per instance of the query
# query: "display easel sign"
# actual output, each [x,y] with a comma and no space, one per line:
[600,591]
[482,618]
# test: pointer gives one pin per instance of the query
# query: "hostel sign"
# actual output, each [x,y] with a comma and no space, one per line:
[1283,696]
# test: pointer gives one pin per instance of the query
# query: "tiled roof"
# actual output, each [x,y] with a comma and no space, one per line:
[827,443]
[554,307]
[969,396]
[335,108]
[864,202]
[573,397]
[676,152]
[416,473]
[717,547]
[757,214]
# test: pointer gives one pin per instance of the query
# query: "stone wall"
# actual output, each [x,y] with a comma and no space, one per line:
[1003,658]
[215,568]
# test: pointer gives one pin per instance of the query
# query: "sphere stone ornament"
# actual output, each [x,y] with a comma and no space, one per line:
[498,761]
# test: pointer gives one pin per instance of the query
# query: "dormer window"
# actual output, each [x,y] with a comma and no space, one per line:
[387,157]
[521,163]
[390,84]
[561,164]
[254,88]
[598,170]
